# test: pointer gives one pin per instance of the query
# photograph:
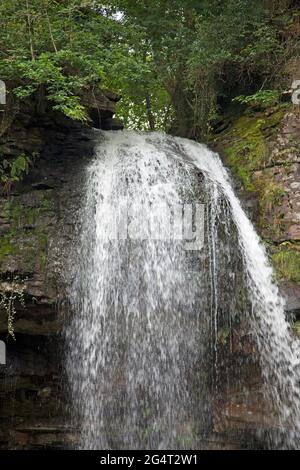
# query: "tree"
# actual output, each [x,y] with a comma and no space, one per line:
[204,53]
[178,65]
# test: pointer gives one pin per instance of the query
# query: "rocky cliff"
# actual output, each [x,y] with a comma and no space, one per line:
[261,147]
[37,220]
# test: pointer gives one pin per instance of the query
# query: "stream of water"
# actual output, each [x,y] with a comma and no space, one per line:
[168,277]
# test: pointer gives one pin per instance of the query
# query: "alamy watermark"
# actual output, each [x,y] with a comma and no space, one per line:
[158,221]
[296,92]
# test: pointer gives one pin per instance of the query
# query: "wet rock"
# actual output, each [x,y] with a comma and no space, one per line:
[112,124]
[263,151]
[101,108]
[37,220]
[291,293]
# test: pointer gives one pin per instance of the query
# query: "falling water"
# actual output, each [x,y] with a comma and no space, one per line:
[167,272]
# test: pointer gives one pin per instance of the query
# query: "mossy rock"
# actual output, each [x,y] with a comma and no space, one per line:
[296,328]
[24,240]
[246,144]
[286,259]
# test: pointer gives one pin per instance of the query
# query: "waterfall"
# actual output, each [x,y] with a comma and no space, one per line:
[167,279]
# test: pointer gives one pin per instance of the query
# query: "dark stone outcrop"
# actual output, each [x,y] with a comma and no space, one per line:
[101,109]
[37,221]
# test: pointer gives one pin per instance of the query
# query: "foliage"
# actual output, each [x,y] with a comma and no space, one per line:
[46,71]
[53,46]
[177,65]
[11,171]
[205,53]
[9,298]
[261,97]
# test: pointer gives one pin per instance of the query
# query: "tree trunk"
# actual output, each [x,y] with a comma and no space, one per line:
[150,115]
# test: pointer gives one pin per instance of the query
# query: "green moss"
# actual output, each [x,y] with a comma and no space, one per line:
[247,149]
[47,203]
[223,336]
[271,196]
[246,144]
[43,249]
[286,260]
[12,212]
[5,248]
[296,328]
[27,235]
[43,261]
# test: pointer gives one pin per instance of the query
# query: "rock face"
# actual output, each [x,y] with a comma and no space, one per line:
[101,108]
[37,219]
[37,223]
[262,148]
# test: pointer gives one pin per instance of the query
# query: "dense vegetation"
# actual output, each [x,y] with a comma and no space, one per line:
[177,64]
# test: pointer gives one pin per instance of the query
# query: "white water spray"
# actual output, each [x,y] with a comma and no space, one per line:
[143,352]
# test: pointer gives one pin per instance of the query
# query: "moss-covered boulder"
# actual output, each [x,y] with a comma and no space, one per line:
[262,149]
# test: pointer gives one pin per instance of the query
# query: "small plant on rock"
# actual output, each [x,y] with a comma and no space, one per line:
[12,293]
